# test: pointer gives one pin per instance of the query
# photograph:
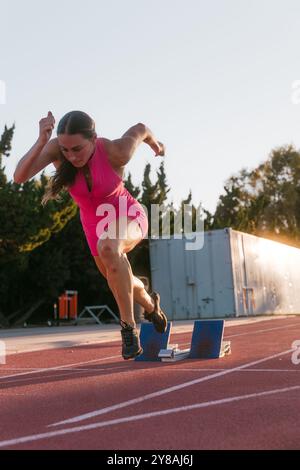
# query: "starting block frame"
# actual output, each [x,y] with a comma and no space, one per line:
[206,343]
[96,316]
[152,342]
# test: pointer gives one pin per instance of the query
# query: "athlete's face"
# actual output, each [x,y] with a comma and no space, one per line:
[76,148]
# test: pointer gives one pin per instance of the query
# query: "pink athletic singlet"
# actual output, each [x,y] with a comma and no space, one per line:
[107,188]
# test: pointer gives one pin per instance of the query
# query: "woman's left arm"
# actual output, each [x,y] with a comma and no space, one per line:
[121,150]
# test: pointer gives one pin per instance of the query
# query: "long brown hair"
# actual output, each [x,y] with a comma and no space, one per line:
[74,122]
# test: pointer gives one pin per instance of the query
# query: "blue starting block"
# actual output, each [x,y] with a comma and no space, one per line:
[207,339]
[207,342]
[152,342]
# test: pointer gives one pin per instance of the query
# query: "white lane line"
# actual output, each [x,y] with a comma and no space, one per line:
[58,367]
[21,368]
[164,391]
[128,419]
[70,373]
[37,370]
[33,369]
[263,331]
[243,370]
[246,334]
[170,368]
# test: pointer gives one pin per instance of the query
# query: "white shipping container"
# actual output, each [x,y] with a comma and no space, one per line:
[234,274]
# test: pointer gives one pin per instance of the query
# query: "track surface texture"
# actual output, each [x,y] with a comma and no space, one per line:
[88,397]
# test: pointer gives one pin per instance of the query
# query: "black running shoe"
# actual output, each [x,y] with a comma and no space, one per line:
[131,346]
[157,317]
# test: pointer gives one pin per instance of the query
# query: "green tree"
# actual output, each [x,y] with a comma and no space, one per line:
[43,250]
[134,190]
[265,201]
[32,269]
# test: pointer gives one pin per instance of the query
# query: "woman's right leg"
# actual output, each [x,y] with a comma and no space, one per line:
[140,294]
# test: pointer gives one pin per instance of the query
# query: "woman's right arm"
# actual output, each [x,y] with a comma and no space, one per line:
[35,160]
[41,154]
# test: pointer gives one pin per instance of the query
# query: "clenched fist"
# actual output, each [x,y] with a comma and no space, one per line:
[160,149]
[46,128]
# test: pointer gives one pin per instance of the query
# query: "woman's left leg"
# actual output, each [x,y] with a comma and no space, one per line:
[140,295]
[112,253]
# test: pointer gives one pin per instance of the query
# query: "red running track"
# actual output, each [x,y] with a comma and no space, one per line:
[90,398]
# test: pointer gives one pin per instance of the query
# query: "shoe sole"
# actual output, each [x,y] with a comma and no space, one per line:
[133,356]
[161,326]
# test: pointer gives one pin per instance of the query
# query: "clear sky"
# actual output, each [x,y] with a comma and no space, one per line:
[212,79]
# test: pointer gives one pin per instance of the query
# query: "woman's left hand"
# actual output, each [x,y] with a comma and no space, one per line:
[159,149]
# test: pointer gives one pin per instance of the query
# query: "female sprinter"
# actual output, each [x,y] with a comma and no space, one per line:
[91,169]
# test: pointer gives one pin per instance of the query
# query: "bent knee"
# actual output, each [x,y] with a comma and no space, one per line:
[107,251]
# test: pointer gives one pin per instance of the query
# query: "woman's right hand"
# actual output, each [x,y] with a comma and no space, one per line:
[160,150]
[158,147]
[46,128]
